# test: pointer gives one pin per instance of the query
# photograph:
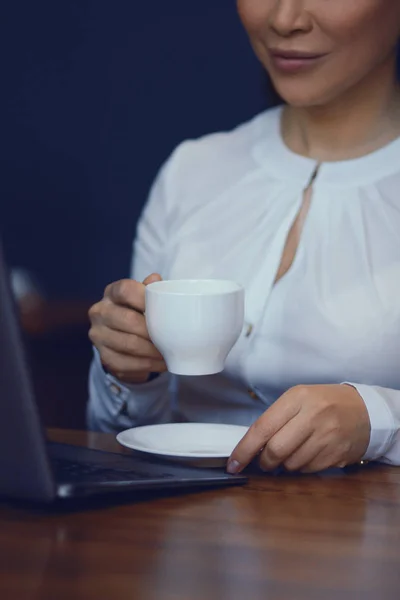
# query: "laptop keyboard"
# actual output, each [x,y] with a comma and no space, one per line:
[77,472]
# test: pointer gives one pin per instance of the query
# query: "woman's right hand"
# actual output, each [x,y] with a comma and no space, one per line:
[119,332]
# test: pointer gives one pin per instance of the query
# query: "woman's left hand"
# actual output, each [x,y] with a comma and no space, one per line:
[308,429]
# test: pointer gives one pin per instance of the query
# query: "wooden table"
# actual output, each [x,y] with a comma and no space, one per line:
[278,538]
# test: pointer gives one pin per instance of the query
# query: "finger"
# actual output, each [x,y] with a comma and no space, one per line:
[152,278]
[127,292]
[124,343]
[285,442]
[119,318]
[260,433]
[306,454]
[120,364]
[329,456]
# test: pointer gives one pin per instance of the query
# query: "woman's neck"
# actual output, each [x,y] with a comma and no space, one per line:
[363,120]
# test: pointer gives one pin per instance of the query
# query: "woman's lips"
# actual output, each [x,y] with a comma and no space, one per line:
[293,61]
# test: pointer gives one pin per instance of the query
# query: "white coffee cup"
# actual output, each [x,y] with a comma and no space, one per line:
[194,323]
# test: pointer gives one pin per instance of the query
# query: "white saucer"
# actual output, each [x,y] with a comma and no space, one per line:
[202,444]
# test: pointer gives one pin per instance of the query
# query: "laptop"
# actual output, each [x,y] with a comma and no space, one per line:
[34,469]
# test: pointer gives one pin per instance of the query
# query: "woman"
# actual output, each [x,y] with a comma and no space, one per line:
[302,206]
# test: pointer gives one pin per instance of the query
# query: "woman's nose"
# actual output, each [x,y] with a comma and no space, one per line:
[290,16]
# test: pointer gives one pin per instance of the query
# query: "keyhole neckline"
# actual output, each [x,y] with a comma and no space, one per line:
[271,153]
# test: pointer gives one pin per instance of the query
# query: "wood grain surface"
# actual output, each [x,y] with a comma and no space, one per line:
[329,536]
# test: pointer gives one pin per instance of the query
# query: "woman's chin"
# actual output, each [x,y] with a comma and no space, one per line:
[301,97]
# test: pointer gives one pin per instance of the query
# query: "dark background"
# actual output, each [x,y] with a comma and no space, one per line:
[96,94]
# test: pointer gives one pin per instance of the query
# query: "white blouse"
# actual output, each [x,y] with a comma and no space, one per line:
[222,207]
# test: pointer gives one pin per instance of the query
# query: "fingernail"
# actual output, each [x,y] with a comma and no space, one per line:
[233,467]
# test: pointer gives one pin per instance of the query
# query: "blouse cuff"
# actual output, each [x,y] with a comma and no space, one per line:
[382,422]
